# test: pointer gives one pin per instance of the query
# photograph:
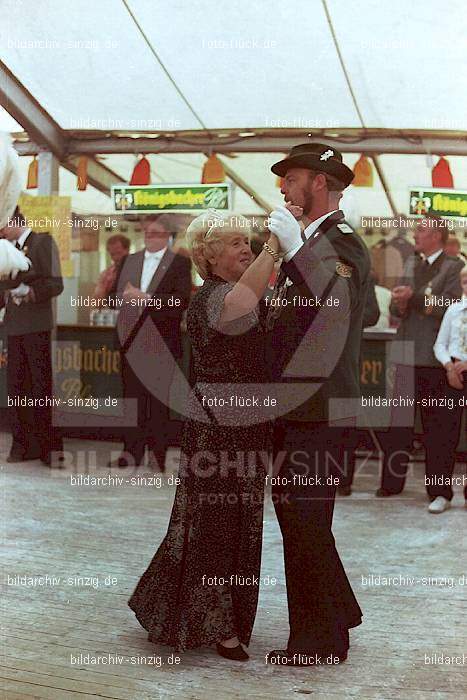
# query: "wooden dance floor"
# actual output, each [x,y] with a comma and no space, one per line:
[71,556]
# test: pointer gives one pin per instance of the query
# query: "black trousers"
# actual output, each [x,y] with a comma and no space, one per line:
[152,425]
[29,376]
[351,439]
[322,606]
[441,409]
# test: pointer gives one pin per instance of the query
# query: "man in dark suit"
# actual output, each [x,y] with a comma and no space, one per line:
[315,351]
[155,286]
[28,324]
[429,283]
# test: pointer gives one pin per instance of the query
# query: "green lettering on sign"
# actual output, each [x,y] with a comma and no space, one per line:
[442,202]
[174,198]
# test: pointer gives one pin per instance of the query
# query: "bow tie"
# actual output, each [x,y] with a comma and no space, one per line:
[152,256]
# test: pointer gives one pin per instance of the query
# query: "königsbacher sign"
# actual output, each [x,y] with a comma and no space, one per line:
[442,202]
[174,198]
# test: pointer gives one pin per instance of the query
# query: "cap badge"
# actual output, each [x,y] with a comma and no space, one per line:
[327,154]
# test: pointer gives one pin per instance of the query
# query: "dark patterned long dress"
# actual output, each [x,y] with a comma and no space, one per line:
[202,584]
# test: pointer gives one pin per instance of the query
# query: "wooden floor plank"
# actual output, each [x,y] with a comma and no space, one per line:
[51,527]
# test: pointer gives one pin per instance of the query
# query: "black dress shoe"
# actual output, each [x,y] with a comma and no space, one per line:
[19,457]
[235,654]
[283,657]
[56,461]
[344,490]
[385,493]
[13,458]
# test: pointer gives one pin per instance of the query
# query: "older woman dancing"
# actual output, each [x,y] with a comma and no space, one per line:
[202,585]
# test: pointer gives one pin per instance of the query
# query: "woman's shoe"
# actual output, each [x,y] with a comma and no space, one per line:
[235,654]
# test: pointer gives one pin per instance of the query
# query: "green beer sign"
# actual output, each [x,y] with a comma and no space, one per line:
[174,198]
[443,202]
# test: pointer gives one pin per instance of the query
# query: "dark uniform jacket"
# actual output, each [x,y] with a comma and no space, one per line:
[421,321]
[314,350]
[45,280]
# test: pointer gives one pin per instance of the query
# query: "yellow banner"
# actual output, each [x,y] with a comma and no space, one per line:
[51,214]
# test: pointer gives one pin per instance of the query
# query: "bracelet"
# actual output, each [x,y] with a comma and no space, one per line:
[271,251]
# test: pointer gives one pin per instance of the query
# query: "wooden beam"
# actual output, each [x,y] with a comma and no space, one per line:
[270,143]
[27,111]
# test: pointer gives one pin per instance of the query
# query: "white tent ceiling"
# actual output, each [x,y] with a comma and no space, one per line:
[142,65]
[405,62]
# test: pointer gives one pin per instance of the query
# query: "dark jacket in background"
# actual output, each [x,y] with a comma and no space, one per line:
[420,323]
[172,280]
[29,369]
[371,312]
[45,280]
[150,339]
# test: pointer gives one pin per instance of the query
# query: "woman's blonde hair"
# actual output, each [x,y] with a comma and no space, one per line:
[207,234]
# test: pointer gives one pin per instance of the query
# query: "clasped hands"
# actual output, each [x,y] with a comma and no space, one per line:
[454,373]
[283,223]
[131,292]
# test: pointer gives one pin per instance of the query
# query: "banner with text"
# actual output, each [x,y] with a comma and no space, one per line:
[173,198]
[441,202]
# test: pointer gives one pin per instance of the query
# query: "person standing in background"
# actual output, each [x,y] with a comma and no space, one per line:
[451,351]
[453,247]
[28,324]
[150,338]
[118,247]
[430,282]
[389,256]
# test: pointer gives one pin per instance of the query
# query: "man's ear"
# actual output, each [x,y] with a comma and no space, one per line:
[319,182]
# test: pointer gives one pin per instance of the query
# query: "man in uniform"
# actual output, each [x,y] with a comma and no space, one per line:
[314,357]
